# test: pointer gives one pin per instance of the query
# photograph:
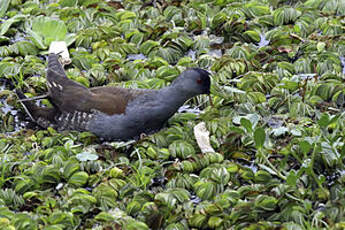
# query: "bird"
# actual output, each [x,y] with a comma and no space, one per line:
[112,113]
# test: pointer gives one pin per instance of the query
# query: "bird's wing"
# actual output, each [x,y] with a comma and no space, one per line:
[43,116]
[116,97]
[70,96]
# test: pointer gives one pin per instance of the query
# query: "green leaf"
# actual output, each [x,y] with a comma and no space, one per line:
[187,166]
[70,38]
[262,176]
[124,15]
[68,3]
[292,178]
[182,195]
[50,29]
[220,175]
[257,97]
[3,7]
[78,179]
[205,190]
[26,48]
[166,199]
[147,46]
[166,72]
[321,46]
[60,217]
[312,3]
[7,24]
[24,221]
[265,202]
[254,35]
[45,30]
[50,174]
[175,226]
[181,149]
[287,66]
[36,39]
[285,15]
[246,124]
[136,225]
[259,137]
[253,118]
[289,84]
[104,217]
[324,120]
[116,172]
[214,157]
[214,221]
[197,220]
[106,195]
[81,202]
[70,167]
[305,147]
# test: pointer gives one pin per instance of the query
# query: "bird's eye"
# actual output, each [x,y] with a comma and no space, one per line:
[199,81]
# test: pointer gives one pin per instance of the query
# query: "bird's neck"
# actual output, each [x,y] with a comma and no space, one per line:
[175,96]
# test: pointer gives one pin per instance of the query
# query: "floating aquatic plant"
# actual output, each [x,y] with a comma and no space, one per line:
[276,125]
[44,30]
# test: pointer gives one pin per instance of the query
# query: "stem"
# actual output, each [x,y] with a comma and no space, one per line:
[270,165]
[312,166]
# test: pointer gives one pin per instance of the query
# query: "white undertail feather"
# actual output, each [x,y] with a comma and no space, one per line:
[73,120]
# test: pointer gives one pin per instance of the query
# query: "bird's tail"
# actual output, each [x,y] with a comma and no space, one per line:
[28,106]
[57,80]
[55,65]
[43,116]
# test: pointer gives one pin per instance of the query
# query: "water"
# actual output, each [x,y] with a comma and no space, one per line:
[215,53]
[342,59]
[263,41]
[7,110]
[133,57]
[191,54]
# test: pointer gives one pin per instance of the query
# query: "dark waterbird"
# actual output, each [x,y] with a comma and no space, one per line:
[112,113]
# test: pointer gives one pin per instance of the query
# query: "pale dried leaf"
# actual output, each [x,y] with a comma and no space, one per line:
[202,138]
[60,47]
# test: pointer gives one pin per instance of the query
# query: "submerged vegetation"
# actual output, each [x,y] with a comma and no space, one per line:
[277,124]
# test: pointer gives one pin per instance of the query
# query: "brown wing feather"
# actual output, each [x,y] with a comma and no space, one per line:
[70,99]
[70,96]
[115,98]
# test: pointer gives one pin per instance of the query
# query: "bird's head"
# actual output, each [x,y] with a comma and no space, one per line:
[195,81]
